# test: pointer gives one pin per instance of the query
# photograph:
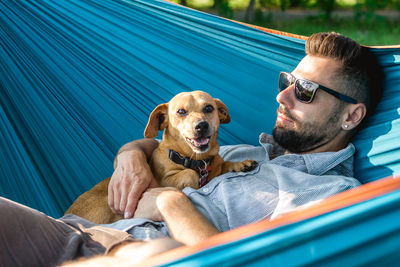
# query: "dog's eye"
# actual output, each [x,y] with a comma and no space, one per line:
[208,109]
[181,111]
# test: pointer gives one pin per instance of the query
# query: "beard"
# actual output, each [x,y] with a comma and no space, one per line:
[308,135]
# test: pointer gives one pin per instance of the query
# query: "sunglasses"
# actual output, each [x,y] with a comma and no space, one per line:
[305,90]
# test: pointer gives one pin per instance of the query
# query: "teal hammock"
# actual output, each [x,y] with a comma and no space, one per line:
[80,78]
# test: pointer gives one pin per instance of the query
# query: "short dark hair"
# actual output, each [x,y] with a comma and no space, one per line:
[361,77]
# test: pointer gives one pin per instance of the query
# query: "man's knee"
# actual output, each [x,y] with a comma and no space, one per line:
[11,210]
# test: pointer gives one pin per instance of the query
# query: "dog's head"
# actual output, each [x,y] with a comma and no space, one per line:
[190,119]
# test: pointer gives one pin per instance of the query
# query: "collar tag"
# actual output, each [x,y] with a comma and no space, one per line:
[203,167]
[203,174]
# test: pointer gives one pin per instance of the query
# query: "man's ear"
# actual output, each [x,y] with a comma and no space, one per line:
[354,115]
[223,113]
[158,121]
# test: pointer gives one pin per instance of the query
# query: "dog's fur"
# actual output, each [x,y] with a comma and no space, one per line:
[190,121]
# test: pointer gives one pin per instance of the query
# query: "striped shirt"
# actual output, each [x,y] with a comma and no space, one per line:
[278,185]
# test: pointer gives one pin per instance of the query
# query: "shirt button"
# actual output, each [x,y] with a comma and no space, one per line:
[205,190]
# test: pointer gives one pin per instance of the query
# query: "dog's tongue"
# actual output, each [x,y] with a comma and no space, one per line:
[201,141]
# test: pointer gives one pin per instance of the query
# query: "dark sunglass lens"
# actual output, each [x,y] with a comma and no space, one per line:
[285,81]
[305,90]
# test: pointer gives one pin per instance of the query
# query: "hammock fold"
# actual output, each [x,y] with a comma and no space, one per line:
[352,228]
[78,79]
[81,78]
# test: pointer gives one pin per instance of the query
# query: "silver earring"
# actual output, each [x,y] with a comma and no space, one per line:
[346,126]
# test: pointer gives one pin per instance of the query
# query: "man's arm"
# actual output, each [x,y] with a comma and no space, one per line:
[185,223]
[131,177]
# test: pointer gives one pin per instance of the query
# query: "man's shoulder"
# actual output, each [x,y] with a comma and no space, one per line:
[267,149]
[340,162]
[242,152]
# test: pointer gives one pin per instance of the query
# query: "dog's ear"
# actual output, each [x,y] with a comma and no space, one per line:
[222,111]
[158,121]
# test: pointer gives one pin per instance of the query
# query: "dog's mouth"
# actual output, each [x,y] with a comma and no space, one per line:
[199,143]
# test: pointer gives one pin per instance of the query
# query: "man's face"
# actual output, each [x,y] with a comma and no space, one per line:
[302,127]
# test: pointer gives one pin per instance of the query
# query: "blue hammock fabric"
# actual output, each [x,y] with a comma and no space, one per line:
[80,78]
[345,237]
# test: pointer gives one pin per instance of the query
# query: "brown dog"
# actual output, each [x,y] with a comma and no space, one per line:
[187,156]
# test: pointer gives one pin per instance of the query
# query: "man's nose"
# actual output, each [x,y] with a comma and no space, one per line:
[286,97]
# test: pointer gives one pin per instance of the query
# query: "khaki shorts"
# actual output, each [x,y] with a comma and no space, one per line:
[30,238]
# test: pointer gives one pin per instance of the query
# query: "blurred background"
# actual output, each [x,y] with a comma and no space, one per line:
[366,21]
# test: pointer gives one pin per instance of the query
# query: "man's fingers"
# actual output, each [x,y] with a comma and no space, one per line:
[114,197]
[114,192]
[122,199]
[111,198]
[135,193]
[130,179]
[131,206]
[117,198]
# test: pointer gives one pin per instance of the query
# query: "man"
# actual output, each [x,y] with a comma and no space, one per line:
[322,104]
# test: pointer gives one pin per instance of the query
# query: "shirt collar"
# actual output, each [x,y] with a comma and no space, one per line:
[320,163]
[315,163]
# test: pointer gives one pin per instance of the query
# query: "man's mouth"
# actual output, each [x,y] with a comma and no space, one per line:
[286,113]
[199,143]
[284,117]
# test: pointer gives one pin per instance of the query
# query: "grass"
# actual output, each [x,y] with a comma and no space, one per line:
[367,30]
[242,4]
[373,31]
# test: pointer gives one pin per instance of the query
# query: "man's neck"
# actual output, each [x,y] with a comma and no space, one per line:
[333,145]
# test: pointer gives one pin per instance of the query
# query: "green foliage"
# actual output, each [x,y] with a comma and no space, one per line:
[374,31]
[368,7]
[327,6]
[365,26]
[223,8]
[283,4]
[396,4]
[376,4]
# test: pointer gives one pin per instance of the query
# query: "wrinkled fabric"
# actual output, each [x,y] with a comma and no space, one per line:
[31,238]
[278,185]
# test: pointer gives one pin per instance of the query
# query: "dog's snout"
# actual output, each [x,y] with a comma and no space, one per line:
[202,128]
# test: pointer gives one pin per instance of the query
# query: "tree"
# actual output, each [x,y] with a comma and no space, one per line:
[327,6]
[249,16]
[223,8]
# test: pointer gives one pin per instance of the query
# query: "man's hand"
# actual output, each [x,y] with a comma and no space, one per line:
[131,177]
[148,208]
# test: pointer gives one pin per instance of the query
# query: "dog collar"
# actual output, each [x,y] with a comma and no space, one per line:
[203,167]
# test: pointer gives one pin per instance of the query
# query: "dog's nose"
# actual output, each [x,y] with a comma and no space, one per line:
[201,128]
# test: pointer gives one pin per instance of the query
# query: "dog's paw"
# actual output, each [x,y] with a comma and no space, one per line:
[249,165]
[244,166]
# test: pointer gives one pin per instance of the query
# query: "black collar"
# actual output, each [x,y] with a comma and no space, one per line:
[196,165]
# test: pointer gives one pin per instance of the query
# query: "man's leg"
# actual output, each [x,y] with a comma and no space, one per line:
[30,238]
[129,254]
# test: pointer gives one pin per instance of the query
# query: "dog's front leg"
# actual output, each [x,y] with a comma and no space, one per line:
[244,166]
[181,179]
